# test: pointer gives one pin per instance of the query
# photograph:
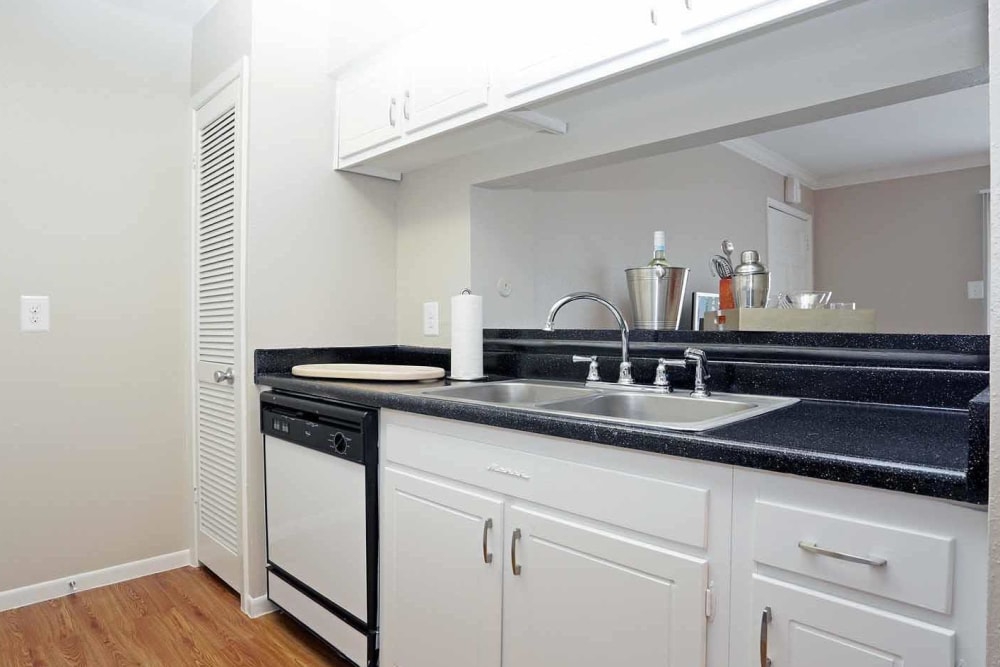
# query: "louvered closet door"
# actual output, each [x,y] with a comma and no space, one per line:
[219,354]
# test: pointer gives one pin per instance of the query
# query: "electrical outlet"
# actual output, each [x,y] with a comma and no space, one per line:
[432,322]
[34,313]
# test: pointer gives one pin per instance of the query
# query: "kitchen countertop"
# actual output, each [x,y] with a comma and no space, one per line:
[918,450]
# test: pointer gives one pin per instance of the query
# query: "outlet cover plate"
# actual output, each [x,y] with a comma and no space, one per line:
[34,314]
[432,319]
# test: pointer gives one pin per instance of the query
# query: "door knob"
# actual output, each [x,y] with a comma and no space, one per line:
[224,376]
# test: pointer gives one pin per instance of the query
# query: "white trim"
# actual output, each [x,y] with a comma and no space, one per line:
[228,75]
[789,209]
[892,173]
[259,606]
[753,150]
[57,588]
[246,371]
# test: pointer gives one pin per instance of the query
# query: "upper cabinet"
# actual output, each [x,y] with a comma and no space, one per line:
[483,62]
[558,39]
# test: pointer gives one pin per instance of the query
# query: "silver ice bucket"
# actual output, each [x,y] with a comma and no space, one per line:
[657,295]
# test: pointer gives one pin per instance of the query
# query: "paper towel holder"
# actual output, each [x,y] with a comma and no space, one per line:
[482,378]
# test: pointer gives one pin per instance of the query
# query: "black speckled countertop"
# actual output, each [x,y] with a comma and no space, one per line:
[937,450]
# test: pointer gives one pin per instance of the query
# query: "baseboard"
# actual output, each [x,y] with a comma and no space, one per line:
[257,607]
[57,588]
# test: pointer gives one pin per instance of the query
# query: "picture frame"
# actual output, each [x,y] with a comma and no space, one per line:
[701,303]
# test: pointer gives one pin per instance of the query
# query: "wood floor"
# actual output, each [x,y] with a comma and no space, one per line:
[180,618]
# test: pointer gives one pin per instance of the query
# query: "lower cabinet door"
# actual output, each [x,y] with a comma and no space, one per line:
[579,596]
[804,628]
[442,574]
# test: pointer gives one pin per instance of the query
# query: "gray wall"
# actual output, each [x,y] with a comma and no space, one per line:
[94,207]
[581,230]
[871,238]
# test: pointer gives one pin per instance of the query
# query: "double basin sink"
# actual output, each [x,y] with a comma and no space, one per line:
[634,406]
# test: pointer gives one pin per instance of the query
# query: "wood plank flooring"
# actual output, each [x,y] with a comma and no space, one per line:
[180,618]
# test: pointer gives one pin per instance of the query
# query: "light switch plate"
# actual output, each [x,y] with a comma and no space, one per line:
[976,289]
[34,314]
[432,326]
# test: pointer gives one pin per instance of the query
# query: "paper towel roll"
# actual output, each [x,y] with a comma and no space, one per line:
[466,337]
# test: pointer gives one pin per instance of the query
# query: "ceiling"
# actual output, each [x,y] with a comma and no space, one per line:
[928,135]
[187,12]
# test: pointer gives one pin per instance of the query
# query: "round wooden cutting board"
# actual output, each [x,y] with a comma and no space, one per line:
[383,372]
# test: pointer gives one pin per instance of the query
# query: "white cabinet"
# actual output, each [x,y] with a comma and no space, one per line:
[699,14]
[577,596]
[442,573]
[800,627]
[555,39]
[854,576]
[542,552]
[471,570]
[434,76]
[446,76]
[368,106]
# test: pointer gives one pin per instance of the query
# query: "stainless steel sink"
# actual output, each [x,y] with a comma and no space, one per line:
[674,411]
[636,406]
[511,393]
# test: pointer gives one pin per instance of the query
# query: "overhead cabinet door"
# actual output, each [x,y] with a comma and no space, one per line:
[804,628]
[447,75]
[369,108]
[545,41]
[577,596]
[442,573]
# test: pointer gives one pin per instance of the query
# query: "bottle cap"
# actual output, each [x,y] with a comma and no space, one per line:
[659,239]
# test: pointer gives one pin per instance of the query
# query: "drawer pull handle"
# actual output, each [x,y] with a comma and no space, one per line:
[814,548]
[765,619]
[487,556]
[514,537]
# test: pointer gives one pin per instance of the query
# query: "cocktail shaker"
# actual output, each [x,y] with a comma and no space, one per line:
[751,281]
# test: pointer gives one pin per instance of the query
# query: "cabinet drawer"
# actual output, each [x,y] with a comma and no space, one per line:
[670,510]
[904,564]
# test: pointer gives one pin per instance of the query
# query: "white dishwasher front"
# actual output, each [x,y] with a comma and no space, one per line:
[316,522]
[321,503]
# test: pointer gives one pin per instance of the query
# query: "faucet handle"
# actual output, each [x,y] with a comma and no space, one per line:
[593,375]
[662,380]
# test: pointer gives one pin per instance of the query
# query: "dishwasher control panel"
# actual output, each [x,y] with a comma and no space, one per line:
[340,440]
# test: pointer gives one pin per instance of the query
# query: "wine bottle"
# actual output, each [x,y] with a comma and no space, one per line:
[659,250]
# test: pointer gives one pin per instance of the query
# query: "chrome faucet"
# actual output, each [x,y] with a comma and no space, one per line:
[625,368]
[700,360]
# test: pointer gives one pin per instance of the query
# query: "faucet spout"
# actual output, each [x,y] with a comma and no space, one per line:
[625,369]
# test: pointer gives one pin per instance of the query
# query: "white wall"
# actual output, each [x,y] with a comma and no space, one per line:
[906,247]
[585,228]
[321,244]
[95,130]
[219,39]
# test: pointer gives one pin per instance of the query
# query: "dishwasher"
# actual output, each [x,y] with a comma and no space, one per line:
[321,505]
